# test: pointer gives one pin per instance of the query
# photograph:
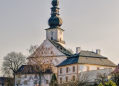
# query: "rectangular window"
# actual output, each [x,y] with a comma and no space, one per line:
[73,78]
[66,79]
[25,76]
[60,80]
[35,82]
[88,68]
[67,69]
[47,82]
[73,68]
[98,68]
[60,70]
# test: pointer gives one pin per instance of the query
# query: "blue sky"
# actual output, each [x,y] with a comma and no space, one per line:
[89,24]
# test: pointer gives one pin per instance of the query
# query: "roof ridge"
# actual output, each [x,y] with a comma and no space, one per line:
[61,48]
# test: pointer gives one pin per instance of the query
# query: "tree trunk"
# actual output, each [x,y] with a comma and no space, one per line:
[14,79]
[39,79]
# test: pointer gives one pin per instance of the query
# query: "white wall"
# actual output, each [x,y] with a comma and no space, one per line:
[81,68]
[60,35]
[31,79]
[92,75]
[70,73]
[91,67]
[56,34]
[47,44]
[57,55]
[48,34]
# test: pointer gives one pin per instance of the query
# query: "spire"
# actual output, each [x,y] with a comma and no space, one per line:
[55,9]
[55,21]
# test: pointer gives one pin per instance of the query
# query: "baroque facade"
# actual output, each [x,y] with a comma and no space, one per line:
[67,66]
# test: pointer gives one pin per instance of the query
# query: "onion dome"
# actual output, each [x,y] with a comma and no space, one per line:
[55,21]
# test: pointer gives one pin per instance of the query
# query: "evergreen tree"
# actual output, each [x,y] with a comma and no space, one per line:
[53,81]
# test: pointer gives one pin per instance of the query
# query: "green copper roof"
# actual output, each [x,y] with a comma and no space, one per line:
[86,58]
[61,48]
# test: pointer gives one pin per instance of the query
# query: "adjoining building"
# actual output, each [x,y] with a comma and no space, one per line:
[28,76]
[67,65]
[6,81]
[83,61]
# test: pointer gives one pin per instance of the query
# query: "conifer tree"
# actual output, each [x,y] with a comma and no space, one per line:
[53,81]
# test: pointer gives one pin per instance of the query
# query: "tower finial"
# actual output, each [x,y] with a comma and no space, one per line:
[55,21]
[55,2]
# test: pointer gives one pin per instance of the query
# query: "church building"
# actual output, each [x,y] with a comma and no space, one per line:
[67,65]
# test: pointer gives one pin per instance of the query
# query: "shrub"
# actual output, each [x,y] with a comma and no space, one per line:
[110,83]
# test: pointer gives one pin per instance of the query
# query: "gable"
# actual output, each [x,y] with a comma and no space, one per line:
[47,49]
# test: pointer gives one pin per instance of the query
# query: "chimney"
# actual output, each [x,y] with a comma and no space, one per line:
[78,50]
[98,51]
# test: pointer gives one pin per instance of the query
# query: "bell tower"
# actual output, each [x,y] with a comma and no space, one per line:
[55,32]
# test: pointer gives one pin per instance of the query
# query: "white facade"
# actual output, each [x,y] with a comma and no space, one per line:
[52,52]
[70,73]
[56,35]
[32,80]
[79,68]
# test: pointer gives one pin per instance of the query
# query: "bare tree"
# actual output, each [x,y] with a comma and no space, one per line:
[42,60]
[82,80]
[103,76]
[12,62]
[32,49]
[115,75]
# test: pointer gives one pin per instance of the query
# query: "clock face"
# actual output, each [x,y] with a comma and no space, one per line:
[51,32]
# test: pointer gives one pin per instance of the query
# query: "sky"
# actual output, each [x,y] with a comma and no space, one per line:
[89,24]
